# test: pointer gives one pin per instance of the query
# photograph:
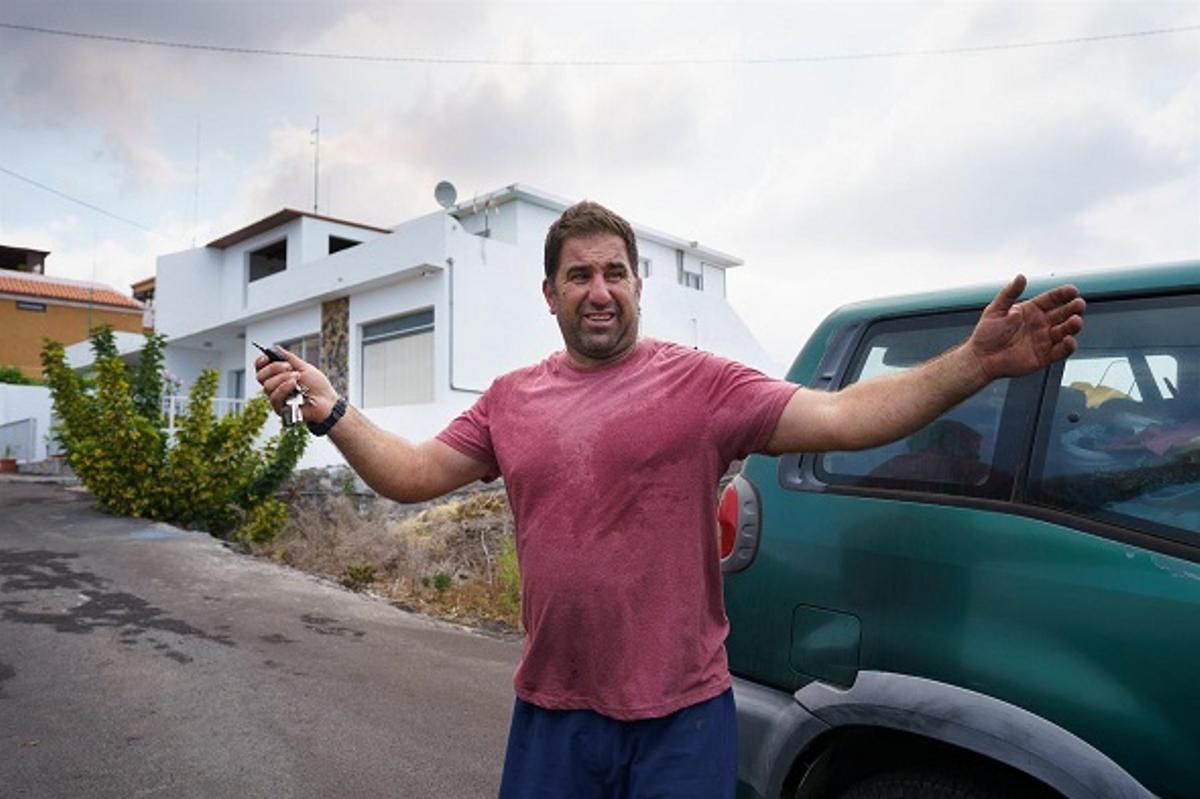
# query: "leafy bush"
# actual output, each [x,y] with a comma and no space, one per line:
[508,577]
[14,376]
[210,477]
[442,581]
[357,576]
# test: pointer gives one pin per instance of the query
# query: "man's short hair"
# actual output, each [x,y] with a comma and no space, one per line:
[585,219]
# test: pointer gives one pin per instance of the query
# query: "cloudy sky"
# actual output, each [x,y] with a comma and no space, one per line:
[843,149]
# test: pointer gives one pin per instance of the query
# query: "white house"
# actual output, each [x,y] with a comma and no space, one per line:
[413,323]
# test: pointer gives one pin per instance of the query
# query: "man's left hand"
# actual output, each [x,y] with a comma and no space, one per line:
[1015,338]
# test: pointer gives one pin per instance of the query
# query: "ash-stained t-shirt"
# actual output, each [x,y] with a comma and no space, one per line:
[611,473]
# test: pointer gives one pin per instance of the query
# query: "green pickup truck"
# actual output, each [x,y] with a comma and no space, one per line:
[1004,604]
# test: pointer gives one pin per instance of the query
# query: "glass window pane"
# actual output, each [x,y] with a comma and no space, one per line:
[411,323]
[1119,439]
[398,368]
[267,261]
[957,452]
[307,348]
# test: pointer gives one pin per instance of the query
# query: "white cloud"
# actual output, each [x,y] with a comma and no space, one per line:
[832,180]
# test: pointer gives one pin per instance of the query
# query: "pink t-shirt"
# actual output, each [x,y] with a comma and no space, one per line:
[611,474]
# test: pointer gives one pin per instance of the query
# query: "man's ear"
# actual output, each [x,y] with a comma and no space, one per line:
[548,293]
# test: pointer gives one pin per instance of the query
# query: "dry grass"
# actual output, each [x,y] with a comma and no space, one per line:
[454,559]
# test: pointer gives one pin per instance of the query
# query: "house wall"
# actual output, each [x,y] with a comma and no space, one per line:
[188,291]
[499,316]
[415,293]
[206,288]
[500,222]
[714,280]
[228,362]
[18,403]
[313,240]
[186,364]
[68,323]
[662,262]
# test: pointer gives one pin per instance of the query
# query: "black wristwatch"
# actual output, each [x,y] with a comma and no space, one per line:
[325,425]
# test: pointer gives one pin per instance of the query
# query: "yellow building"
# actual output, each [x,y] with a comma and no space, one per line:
[34,307]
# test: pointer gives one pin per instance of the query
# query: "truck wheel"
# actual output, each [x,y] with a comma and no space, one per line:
[921,785]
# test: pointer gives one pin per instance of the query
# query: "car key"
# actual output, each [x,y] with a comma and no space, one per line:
[292,414]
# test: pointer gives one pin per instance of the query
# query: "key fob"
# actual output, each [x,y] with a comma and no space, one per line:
[272,355]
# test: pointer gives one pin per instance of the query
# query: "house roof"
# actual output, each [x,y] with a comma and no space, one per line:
[519,191]
[146,284]
[281,218]
[56,288]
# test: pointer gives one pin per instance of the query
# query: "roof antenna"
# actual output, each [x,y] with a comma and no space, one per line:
[196,187]
[316,132]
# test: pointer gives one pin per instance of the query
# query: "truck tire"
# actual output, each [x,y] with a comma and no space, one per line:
[921,785]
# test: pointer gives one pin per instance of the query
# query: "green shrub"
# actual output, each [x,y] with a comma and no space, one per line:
[442,581]
[357,576]
[210,477]
[508,576]
[14,376]
[262,522]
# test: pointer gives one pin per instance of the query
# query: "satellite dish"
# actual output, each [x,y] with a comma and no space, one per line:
[445,193]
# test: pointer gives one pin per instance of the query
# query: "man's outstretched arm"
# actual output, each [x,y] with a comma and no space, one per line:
[1011,339]
[391,465]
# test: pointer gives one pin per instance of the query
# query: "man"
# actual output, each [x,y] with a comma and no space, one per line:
[611,451]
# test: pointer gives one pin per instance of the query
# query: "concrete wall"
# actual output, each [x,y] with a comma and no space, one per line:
[500,222]
[500,319]
[188,291]
[414,293]
[714,280]
[186,364]
[205,288]
[313,241]
[18,403]
[662,263]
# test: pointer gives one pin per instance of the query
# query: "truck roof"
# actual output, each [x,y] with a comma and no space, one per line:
[1128,281]
[1146,279]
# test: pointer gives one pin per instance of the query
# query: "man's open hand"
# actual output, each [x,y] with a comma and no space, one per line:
[1015,338]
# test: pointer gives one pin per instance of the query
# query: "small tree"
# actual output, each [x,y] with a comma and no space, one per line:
[210,477]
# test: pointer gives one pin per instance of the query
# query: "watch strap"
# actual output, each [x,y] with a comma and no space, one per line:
[325,425]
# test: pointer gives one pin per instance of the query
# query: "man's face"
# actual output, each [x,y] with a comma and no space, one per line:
[595,295]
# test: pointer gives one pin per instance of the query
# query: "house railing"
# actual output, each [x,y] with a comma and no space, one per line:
[174,405]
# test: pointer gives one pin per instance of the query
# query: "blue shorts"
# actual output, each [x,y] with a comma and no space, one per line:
[580,754]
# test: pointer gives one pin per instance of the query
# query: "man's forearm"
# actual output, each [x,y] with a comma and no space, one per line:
[884,409]
[388,463]
[879,410]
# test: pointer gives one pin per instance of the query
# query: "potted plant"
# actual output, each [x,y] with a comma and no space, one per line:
[8,463]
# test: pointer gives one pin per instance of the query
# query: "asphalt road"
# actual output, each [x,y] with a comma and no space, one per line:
[139,660]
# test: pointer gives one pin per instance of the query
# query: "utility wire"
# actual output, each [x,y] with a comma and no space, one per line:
[554,62]
[84,203]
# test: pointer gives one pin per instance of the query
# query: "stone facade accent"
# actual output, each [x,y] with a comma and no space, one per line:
[335,343]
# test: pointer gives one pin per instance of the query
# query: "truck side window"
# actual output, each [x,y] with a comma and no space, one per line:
[1119,437]
[962,452]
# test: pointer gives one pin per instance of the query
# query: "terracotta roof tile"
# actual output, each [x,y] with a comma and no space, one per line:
[68,290]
